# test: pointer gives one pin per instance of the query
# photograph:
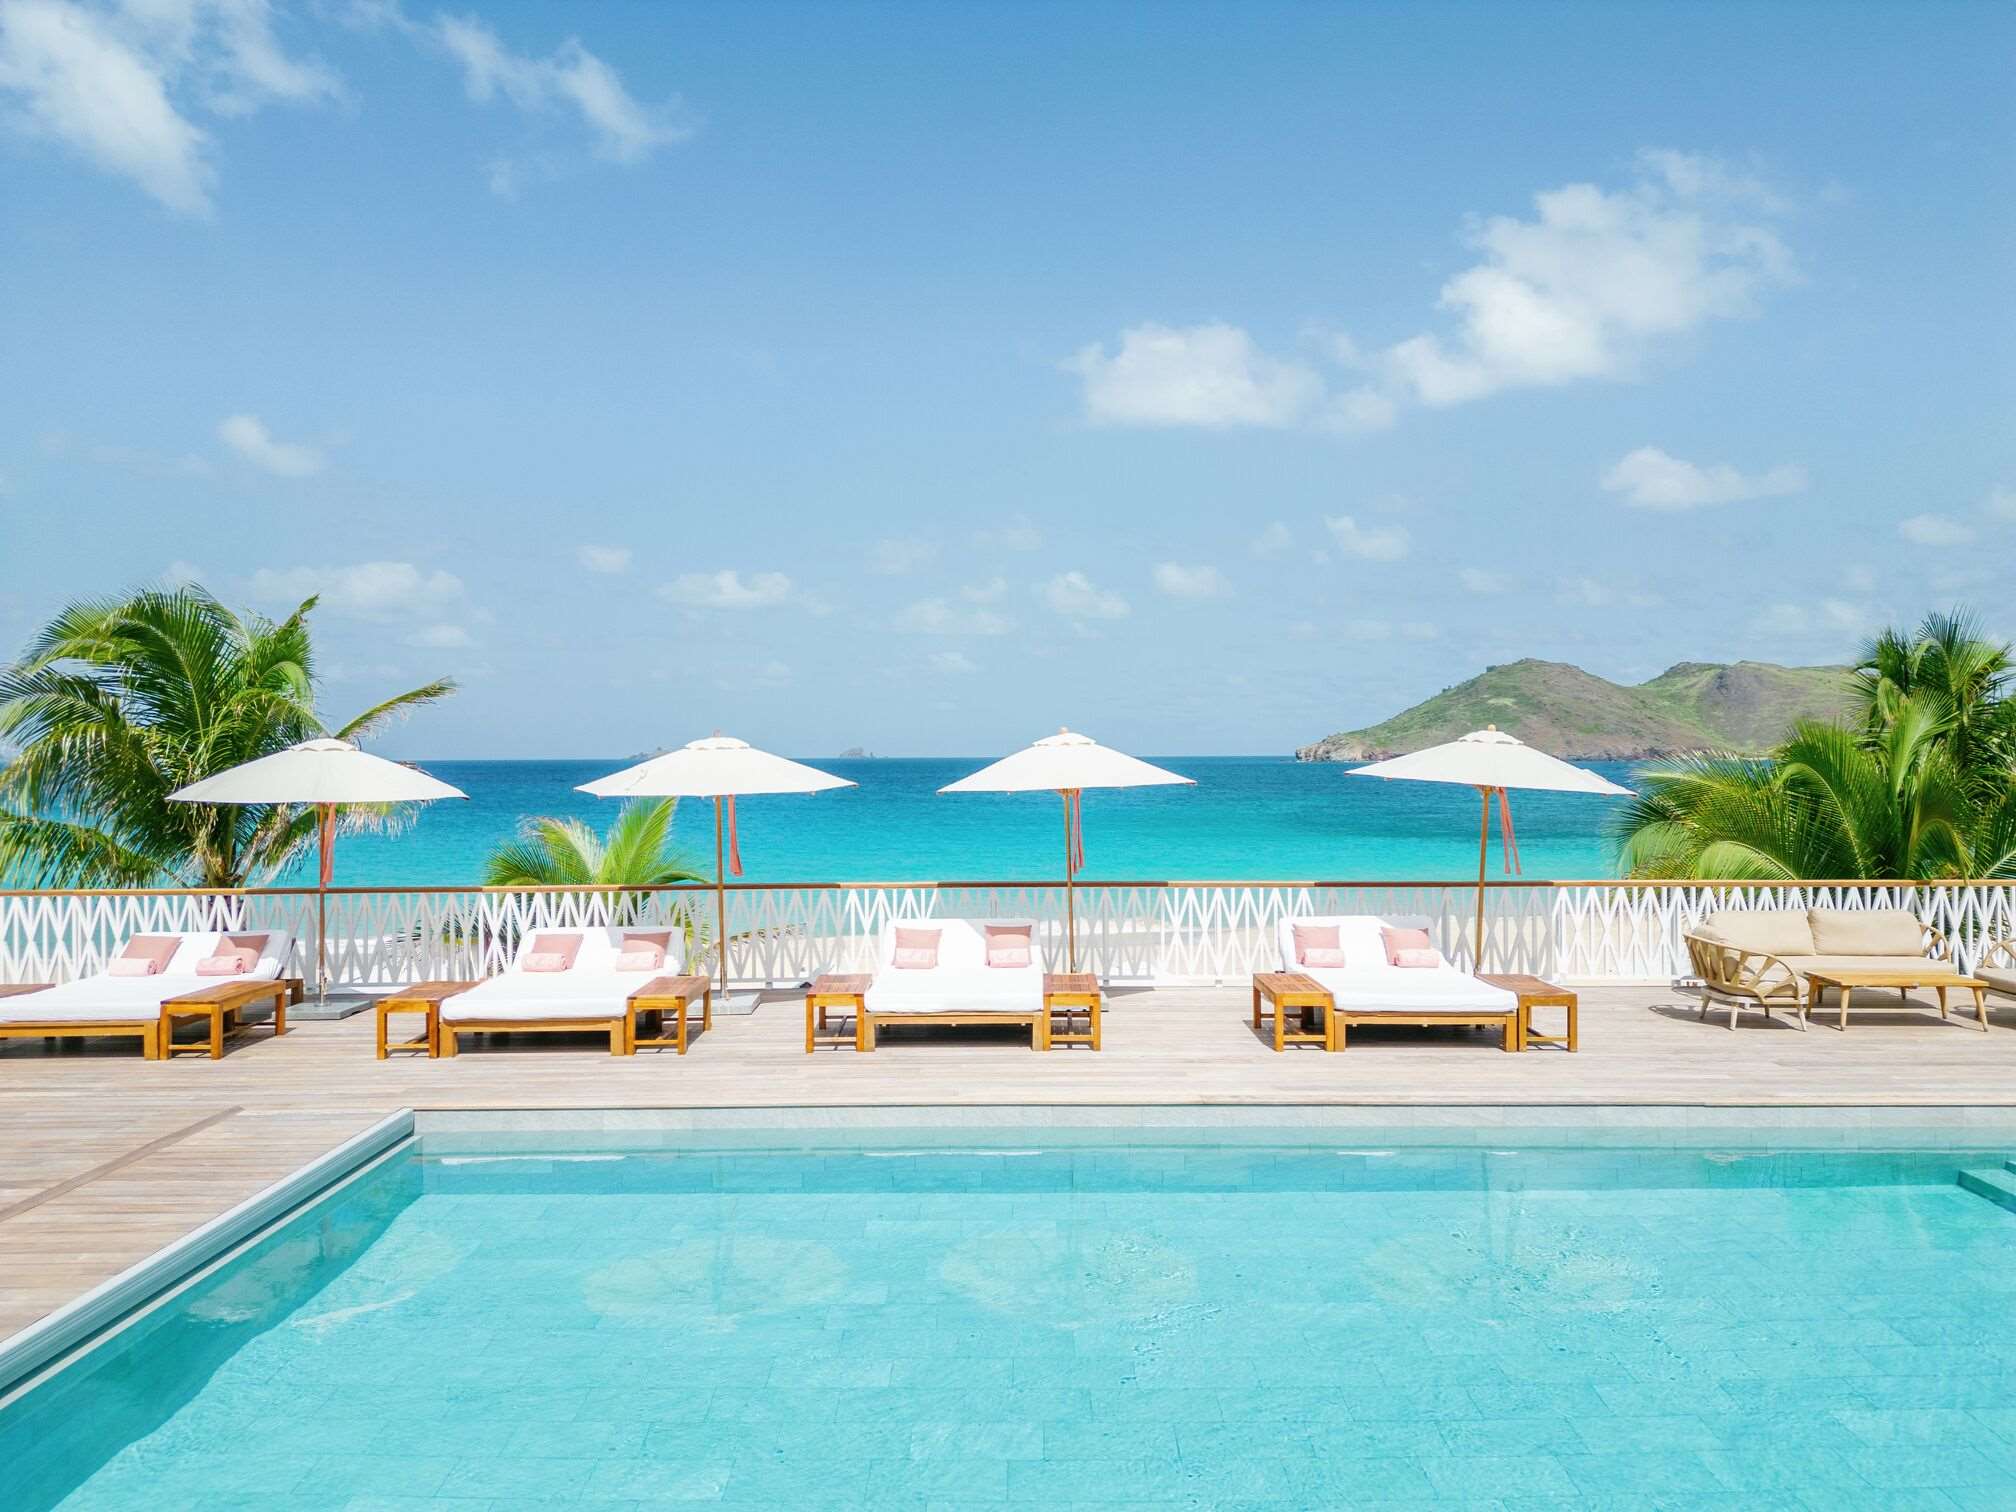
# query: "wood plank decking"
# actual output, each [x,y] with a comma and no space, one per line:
[107,1157]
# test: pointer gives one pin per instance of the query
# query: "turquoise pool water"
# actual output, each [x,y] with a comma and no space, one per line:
[1203,1326]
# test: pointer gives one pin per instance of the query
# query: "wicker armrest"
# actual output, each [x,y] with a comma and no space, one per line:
[2004,947]
[1937,947]
[1734,971]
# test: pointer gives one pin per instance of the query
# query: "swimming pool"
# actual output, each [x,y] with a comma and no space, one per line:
[1093,1322]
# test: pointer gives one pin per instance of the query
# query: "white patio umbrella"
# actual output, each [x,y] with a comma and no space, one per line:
[1067,763]
[328,773]
[1492,761]
[720,768]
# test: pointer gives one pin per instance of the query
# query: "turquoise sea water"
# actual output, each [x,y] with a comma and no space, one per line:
[1092,1326]
[1247,818]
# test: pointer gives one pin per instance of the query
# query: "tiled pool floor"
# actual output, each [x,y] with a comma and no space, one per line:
[1232,1328]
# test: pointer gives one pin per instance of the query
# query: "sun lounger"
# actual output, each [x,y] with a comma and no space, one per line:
[1366,989]
[143,1007]
[591,994]
[960,989]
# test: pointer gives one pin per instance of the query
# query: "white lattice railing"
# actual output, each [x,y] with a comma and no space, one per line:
[1128,932]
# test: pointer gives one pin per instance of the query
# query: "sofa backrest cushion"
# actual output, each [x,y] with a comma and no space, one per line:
[1867,931]
[1772,931]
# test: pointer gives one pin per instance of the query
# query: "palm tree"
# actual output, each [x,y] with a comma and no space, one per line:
[119,702]
[637,852]
[1920,787]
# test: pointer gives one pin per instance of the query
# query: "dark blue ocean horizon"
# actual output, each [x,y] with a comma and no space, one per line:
[1248,818]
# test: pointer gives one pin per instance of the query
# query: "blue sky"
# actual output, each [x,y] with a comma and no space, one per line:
[924,377]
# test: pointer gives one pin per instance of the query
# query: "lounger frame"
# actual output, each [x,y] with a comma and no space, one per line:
[1038,1020]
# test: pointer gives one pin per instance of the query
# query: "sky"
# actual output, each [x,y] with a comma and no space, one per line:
[924,377]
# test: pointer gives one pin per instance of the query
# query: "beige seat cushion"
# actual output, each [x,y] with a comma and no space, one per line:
[1773,931]
[1917,965]
[2000,979]
[1866,932]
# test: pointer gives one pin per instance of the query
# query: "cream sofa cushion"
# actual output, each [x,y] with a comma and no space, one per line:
[1999,979]
[1867,932]
[1772,931]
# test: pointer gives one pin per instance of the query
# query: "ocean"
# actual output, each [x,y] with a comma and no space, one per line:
[1248,818]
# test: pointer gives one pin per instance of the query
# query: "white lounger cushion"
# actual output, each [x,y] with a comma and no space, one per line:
[591,990]
[962,981]
[103,999]
[1365,983]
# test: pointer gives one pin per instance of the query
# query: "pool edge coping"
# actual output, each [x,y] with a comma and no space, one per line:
[117,1298]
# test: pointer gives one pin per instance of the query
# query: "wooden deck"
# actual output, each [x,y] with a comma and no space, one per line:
[108,1157]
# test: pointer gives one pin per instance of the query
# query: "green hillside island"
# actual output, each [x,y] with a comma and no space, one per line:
[1743,708]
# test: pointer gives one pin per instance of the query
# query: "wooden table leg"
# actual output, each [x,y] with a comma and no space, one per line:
[381,1016]
[706,1009]
[1512,1045]
[1981,1008]
[682,1026]
[1256,1008]
[1845,991]
[1941,991]
[449,1049]
[813,1017]
[1280,1027]
[216,1034]
[1574,1012]
[1099,997]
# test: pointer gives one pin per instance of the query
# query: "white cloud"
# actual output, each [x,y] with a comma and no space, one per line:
[625,129]
[1272,541]
[728,589]
[952,663]
[2001,503]
[118,83]
[607,559]
[938,616]
[1075,596]
[893,556]
[1651,479]
[1016,533]
[1179,581]
[248,436]
[1594,593]
[1935,530]
[992,591]
[1378,543]
[1208,375]
[364,590]
[181,574]
[441,638]
[1584,288]
[1422,630]
[1480,580]
[1831,616]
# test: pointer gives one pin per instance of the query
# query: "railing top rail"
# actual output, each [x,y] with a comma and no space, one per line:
[1491,884]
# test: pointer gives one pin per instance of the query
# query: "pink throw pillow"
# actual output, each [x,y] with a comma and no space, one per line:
[227,963]
[1321,957]
[1397,940]
[641,958]
[916,949]
[658,939]
[545,960]
[564,946]
[1008,945]
[160,949]
[1417,958]
[132,966]
[1310,937]
[256,943]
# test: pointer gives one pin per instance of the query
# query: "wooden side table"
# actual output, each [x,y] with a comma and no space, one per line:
[221,1005]
[1536,992]
[423,998]
[669,994]
[1290,992]
[846,991]
[1067,994]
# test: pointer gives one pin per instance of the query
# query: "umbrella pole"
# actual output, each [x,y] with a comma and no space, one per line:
[720,901]
[325,825]
[1483,852]
[1070,895]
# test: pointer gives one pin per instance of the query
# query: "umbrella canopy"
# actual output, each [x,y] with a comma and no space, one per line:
[326,772]
[1490,758]
[1492,762]
[721,768]
[718,767]
[1063,763]
[1067,763]
[318,772]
